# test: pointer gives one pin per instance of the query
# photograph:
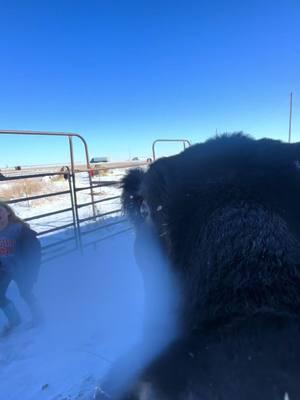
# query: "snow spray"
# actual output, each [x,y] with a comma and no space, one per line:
[160,317]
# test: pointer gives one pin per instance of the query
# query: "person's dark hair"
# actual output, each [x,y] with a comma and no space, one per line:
[12,217]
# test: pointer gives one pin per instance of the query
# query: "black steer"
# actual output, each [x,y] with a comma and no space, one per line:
[227,214]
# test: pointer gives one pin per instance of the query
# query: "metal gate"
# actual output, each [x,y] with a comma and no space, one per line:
[81,222]
[79,229]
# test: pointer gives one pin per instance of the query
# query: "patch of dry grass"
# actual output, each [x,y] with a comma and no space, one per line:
[102,171]
[23,188]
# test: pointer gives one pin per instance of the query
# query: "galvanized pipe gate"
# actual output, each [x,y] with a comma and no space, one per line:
[78,228]
[75,229]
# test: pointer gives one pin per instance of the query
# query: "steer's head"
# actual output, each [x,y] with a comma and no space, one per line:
[222,211]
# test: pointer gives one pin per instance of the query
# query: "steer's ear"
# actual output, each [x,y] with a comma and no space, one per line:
[131,197]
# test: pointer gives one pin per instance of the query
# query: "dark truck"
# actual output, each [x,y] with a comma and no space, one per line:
[97,160]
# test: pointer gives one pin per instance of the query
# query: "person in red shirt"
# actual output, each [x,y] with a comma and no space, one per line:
[20,256]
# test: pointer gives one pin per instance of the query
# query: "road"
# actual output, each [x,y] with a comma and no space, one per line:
[36,169]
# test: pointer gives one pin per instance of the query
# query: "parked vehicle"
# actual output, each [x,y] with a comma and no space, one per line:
[96,160]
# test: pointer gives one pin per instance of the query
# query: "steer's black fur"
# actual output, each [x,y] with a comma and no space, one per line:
[227,213]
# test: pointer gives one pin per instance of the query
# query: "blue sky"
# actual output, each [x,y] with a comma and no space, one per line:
[123,73]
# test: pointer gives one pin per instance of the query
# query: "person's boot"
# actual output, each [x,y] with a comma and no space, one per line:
[13,317]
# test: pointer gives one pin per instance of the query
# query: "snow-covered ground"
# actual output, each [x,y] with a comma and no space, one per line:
[93,307]
[92,303]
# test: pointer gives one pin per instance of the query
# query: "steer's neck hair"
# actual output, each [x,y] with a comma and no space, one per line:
[249,264]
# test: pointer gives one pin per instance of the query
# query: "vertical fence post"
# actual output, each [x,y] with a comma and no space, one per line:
[73,178]
[76,232]
[89,175]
